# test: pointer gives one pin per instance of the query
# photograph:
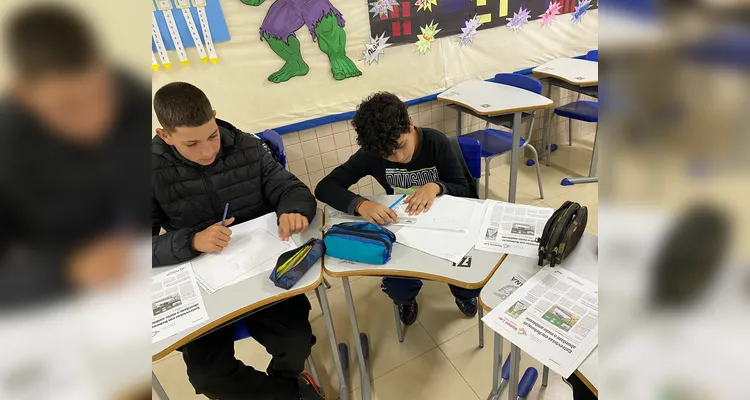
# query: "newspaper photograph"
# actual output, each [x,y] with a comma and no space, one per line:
[512,228]
[553,317]
[176,302]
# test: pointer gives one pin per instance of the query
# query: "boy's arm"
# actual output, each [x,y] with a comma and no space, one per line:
[172,247]
[450,170]
[334,188]
[283,190]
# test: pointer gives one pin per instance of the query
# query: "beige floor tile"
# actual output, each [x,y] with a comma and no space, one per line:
[439,315]
[475,365]
[374,317]
[172,375]
[428,377]
[527,181]
[499,191]
[576,158]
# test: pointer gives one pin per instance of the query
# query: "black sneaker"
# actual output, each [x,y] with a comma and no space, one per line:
[468,307]
[408,312]
[308,389]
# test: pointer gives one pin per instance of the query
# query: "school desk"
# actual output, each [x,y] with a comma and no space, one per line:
[409,263]
[236,301]
[500,105]
[583,262]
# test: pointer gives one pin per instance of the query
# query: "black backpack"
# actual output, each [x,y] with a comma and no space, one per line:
[562,233]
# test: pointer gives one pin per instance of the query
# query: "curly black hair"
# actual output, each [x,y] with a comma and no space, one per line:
[380,120]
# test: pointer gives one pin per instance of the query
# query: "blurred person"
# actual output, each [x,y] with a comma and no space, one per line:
[70,128]
[200,163]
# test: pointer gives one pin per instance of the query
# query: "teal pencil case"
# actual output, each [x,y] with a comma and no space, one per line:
[360,241]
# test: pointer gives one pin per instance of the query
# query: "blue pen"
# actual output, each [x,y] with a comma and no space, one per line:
[224,218]
[397,201]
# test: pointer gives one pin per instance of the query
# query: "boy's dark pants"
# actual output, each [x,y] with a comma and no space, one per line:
[405,290]
[283,329]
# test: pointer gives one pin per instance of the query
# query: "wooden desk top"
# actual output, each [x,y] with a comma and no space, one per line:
[410,263]
[571,70]
[487,98]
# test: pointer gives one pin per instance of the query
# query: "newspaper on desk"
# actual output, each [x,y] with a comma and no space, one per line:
[554,317]
[512,228]
[447,213]
[176,302]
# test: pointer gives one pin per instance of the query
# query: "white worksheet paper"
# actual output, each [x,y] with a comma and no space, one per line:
[447,213]
[512,228]
[451,246]
[176,302]
[554,317]
[248,254]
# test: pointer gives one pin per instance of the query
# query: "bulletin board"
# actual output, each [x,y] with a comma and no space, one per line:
[239,88]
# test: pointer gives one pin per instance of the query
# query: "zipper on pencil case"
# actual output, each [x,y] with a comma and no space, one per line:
[350,229]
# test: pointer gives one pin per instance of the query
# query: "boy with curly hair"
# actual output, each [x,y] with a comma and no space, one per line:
[404,159]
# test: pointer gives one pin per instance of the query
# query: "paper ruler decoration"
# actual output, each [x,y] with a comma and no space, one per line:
[166,8]
[184,5]
[401,20]
[200,5]
[158,42]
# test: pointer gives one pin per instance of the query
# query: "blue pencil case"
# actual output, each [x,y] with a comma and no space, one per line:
[360,241]
[286,278]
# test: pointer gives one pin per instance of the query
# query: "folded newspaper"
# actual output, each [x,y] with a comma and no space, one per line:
[176,302]
[554,317]
[512,228]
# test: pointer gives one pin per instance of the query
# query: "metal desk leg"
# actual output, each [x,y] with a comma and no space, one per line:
[364,373]
[515,361]
[545,376]
[480,324]
[314,372]
[458,122]
[323,297]
[156,385]
[399,327]
[515,144]
[592,168]
[549,113]
[497,357]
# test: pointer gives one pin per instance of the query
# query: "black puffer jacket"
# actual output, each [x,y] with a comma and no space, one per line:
[187,198]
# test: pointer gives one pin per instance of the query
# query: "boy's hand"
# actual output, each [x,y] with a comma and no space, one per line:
[423,198]
[214,238]
[376,213]
[290,224]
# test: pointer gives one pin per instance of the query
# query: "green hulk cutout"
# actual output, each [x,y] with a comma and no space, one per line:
[326,25]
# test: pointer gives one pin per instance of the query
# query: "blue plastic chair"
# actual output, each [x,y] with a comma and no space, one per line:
[580,110]
[274,140]
[240,332]
[495,142]
[471,149]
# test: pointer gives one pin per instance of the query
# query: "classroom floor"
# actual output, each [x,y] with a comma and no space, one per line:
[440,357]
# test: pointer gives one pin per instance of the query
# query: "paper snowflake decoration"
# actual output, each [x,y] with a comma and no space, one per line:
[375,48]
[425,4]
[469,31]
[428,35]
[551,13]
[381,7]
[581,8]
[519,19]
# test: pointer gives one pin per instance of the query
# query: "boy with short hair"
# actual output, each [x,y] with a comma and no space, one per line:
[403,159]
[199,163]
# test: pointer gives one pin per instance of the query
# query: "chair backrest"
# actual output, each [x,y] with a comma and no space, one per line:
[471,158]
[273,139]
[240,330]
[519,81]
[593,55]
